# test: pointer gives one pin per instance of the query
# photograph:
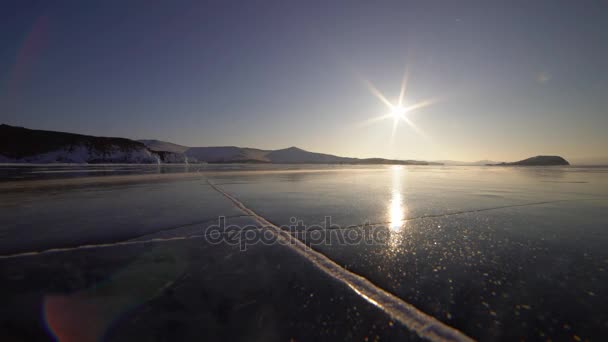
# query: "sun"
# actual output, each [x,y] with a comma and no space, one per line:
[398,110]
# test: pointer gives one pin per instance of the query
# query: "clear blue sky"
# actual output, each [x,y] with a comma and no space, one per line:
[510,79]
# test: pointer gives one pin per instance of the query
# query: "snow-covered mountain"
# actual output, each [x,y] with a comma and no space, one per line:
[22,145]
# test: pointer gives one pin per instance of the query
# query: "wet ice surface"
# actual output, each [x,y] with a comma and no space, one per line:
[354,197]
[20,172]
[499,253]
[38,220]
[184,290]
[509,274]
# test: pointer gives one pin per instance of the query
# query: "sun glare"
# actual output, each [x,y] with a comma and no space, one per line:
[397,111]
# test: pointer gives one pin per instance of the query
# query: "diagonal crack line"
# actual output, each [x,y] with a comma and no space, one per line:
[130,241]
[100,245]
[184,225]
[423,325]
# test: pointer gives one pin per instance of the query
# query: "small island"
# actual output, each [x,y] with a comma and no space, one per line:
[536,161]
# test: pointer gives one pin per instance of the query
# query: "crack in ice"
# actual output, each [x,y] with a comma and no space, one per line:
[423,325]
[131,241]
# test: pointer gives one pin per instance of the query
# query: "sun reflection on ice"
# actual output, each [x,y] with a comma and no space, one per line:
[396,210]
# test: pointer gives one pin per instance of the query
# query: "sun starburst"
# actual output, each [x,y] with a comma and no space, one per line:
[397,111]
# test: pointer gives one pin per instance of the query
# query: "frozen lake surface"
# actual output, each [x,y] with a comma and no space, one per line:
[494,252]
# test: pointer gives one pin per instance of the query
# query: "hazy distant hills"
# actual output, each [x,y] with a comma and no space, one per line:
[226,154]
[158,145]
[23,145]
[291,155]
[233,154]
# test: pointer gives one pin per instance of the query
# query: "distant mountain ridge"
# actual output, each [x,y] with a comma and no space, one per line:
[23,145]
[290,155]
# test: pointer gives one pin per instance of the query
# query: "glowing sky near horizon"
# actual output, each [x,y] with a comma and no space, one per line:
[506,81]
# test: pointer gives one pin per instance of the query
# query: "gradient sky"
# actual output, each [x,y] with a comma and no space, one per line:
[511,79]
